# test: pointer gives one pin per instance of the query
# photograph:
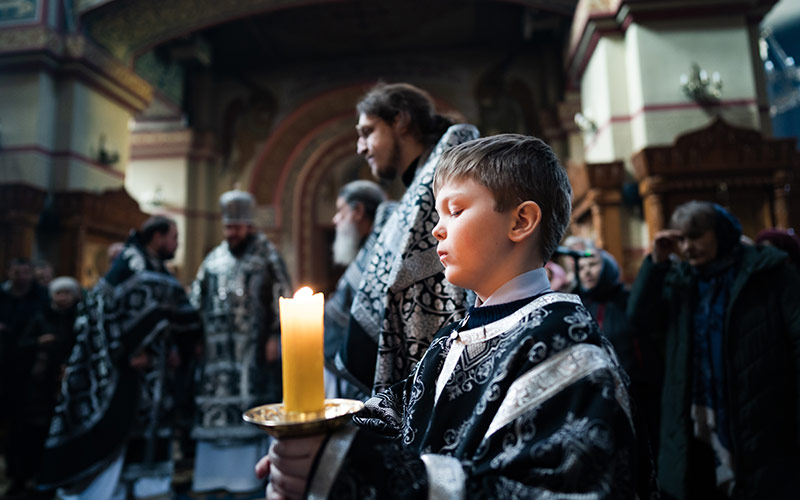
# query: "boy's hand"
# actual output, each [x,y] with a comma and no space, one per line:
[665,243]
[289,464]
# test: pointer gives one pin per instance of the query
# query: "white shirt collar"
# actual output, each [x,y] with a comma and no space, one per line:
[527,284]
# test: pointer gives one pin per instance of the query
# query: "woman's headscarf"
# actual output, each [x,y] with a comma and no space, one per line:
[609,276]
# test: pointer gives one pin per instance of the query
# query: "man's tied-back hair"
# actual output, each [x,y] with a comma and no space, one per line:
[514,168]
[388,100]
[155,224]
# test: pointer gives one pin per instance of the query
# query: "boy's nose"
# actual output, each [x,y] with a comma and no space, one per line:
[438,231]
[361,146]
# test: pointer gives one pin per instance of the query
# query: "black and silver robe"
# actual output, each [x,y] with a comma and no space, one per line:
[238,300]
[105,405]
[533,405]
[404,297]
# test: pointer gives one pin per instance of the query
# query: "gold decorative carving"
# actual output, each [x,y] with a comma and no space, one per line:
[135,25]
[77,54]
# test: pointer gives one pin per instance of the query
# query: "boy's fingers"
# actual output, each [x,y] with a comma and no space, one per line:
[288,486]
[272,494]
[296,447]
[262,467]
[295,467]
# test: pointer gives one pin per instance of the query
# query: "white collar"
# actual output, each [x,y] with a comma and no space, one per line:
[529,284]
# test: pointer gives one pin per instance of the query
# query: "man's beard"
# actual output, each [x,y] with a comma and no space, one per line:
[165,254]
[386,175]
[239,245]
[346,244]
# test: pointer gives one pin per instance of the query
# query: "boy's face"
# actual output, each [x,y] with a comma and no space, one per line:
[472,235]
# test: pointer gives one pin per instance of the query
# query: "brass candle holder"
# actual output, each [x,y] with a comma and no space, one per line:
[280,424]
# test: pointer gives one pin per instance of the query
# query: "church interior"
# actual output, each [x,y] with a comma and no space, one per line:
[113,110]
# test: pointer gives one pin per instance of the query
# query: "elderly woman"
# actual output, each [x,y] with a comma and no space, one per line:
[728,323]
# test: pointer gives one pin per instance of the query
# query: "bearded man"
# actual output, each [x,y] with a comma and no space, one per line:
[236,290]
[357,215]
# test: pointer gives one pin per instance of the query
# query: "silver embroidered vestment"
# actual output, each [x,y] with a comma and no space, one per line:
[404,298]
[238,301]
[533,405]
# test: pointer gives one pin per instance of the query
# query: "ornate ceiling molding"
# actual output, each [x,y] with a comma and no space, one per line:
[40,47]
[129,28]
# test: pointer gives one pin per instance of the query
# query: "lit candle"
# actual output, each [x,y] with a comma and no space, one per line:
[301,348]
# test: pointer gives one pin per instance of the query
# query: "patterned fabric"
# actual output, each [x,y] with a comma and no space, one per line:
[104,403]
[404,297]
[535,407]
[337,310]
[238,300]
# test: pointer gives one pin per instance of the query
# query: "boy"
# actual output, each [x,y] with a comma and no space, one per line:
[522,398]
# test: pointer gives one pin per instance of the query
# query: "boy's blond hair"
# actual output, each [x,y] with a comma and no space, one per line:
[515,168]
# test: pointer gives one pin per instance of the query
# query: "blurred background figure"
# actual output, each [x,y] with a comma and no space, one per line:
[44,346]
[236,291]
[727,321]
[356,210]
[112,428]
[43,272]
[607,300]
[21,299]
[782,240]
[557,276]
[577,244]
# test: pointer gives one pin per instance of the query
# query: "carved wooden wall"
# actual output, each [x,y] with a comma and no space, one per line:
[88,224]
[20,207]
[738,168]
[597,204]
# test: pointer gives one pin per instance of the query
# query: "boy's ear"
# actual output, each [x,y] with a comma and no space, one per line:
[526,217]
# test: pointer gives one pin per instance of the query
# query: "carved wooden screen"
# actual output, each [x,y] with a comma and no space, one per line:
[738,168]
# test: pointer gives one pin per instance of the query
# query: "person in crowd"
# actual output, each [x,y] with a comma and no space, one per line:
[521,399]
[557,276]
[21,298]
[356,218]
[43,272]
[403,298]
[727,321]
[580,245]
[606,298]
[782,240]
[111,432]
[45,346]
[236,289]
[114,250]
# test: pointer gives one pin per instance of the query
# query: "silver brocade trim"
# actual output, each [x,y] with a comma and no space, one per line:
[503,325]
[450,362]
[446,477]
[486,332]
[330,461]
[549,378]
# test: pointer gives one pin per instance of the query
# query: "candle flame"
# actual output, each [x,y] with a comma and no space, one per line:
[303,293]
